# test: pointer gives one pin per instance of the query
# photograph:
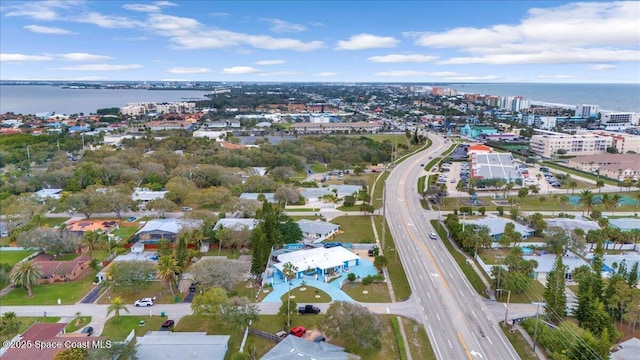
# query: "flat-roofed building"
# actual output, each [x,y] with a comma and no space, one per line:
[549,144]
[613,166]
[495,166]
[618,121]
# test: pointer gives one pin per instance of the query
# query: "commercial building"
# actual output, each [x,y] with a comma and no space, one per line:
[618,121]
[587,111]
[477,131]
[495,166]
[613,166]
[551,143]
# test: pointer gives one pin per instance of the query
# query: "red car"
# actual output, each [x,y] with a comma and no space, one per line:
[298,331]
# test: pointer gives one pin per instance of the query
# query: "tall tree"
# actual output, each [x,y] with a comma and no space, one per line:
[167,270]
[555,293]
[359,328]
[90,239]
[27,275]
[116,306]
[586,199]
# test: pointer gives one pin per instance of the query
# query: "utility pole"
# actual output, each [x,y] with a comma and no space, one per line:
[535,331]
[506,312]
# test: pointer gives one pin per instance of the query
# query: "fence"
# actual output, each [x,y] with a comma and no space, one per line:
[265,335]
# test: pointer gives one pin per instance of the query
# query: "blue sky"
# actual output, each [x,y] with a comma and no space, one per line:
[326,41]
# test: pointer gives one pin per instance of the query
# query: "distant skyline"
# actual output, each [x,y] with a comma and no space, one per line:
[322,41]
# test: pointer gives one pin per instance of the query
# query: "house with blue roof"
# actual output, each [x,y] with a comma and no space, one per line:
[496,227]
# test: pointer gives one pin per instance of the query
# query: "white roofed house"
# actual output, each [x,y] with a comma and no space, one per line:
[315,194]
[317,231]
[318,262]
[156,230]
[142,196]
[236,224]
[44,194]
[345,190]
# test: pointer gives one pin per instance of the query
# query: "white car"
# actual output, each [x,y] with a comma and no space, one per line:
[433,236]
[145,302]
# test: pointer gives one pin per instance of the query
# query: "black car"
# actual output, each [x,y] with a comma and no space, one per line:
[88,330]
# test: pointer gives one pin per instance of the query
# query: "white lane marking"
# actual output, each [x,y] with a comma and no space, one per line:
[435,341]
[429,295]
[479,301]
[435,275]
[475,353]
[388,311]
[450,344]
[421,278]
[474,314]
[489,341]
[460,291]
[438,316]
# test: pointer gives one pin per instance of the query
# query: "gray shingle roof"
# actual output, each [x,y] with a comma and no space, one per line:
[293,347]
[316,227]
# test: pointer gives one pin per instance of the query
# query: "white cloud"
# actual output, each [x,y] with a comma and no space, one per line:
[584,32]
[399,58]
[47,30]
[101,67]
[239,70]
[38,10]
[367,41]
[169,25]
[556,77]
[153,7]
[284,26]
[84,57]
[602,67]
[223,38]
[270,62]
[24,58]
[106,21]
[410,73]
[326,74]
[279,73]
[189,70]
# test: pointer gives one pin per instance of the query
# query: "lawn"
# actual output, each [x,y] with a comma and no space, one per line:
[53,221]
[12,257]
[77,324]
[392,138]
[375,293]
[419,344]
[129,295]
[354,229]
[378,191]
[229,253]
[273,324]
[466,268]
[48,294]
[431,163]
[519,344]
[310,217]
[125,232]
[307,294]
[119,329]
[26,322]
[397,275]
[534,292]
[247,289]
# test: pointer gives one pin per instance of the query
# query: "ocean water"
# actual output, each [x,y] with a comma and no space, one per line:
[615,97]
[32,99]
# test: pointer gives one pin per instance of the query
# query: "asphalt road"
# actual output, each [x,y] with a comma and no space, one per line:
[457,319]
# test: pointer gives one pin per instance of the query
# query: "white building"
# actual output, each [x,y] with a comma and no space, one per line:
[143,196]
[587,111]
[236,224]
[551,143]
[48,194]
[618,121]
[317,231]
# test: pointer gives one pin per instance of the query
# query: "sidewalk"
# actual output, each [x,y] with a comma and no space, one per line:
[539,353]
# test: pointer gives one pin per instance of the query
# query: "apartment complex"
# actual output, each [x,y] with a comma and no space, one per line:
[587,111]
[613,166]
[618,121]
[549,143]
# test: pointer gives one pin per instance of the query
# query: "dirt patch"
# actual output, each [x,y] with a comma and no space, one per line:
[362,253]
[311,334]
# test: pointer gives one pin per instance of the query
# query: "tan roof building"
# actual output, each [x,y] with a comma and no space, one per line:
[613,166]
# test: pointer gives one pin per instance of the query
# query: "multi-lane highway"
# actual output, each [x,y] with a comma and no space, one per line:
[456,318]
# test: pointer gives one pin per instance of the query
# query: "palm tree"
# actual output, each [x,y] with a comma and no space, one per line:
[607,202]
[443,191]
[600,184]
[90,239]
[289,272]
[27,275]
[459,187]
[634,235]
[564,200]
[573,185]
[499,186]
[586,199]
[615,199]
[116,305]
[508,188]
[168,269]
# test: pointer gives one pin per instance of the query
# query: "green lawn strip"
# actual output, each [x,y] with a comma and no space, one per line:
[534,292]
[48,294]
[313,218]
[356,229]
[53,221]
[397,275]
[308,295]
[349,208]
[583,174]
[418,341]
[26,322]
[125,232]
[302,210]
[248,289]
[401,346]
[379,190]
[421,181]
[376,292]
[12,257]
[432,163]
[229,253]
[77,324]
[466,268]
[519,343]
[130,295]
[119,329]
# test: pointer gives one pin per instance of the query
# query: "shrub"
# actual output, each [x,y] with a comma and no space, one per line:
[465,209]
[351,277]
[596,214]
[367,280]
[500,210]
[482,210]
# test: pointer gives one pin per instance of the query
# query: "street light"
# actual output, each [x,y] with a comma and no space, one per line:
[535,332]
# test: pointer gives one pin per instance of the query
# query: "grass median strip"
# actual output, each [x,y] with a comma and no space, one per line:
[466,268]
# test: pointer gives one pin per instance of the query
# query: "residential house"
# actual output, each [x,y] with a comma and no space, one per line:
[318,262]
[496,227]
[142,196]
[270,197]
[81,226]
[54,270]
[295,348]
[236,224]
[44,194]
[156,345]
[317,231]
[156,230]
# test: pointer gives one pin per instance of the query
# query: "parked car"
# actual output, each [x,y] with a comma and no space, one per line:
[131,219]
[87,330]
[187,209]
[298,331]
[167,325]
[319,339]
[308,309]
[145,302]
[433,236]
[372,251]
